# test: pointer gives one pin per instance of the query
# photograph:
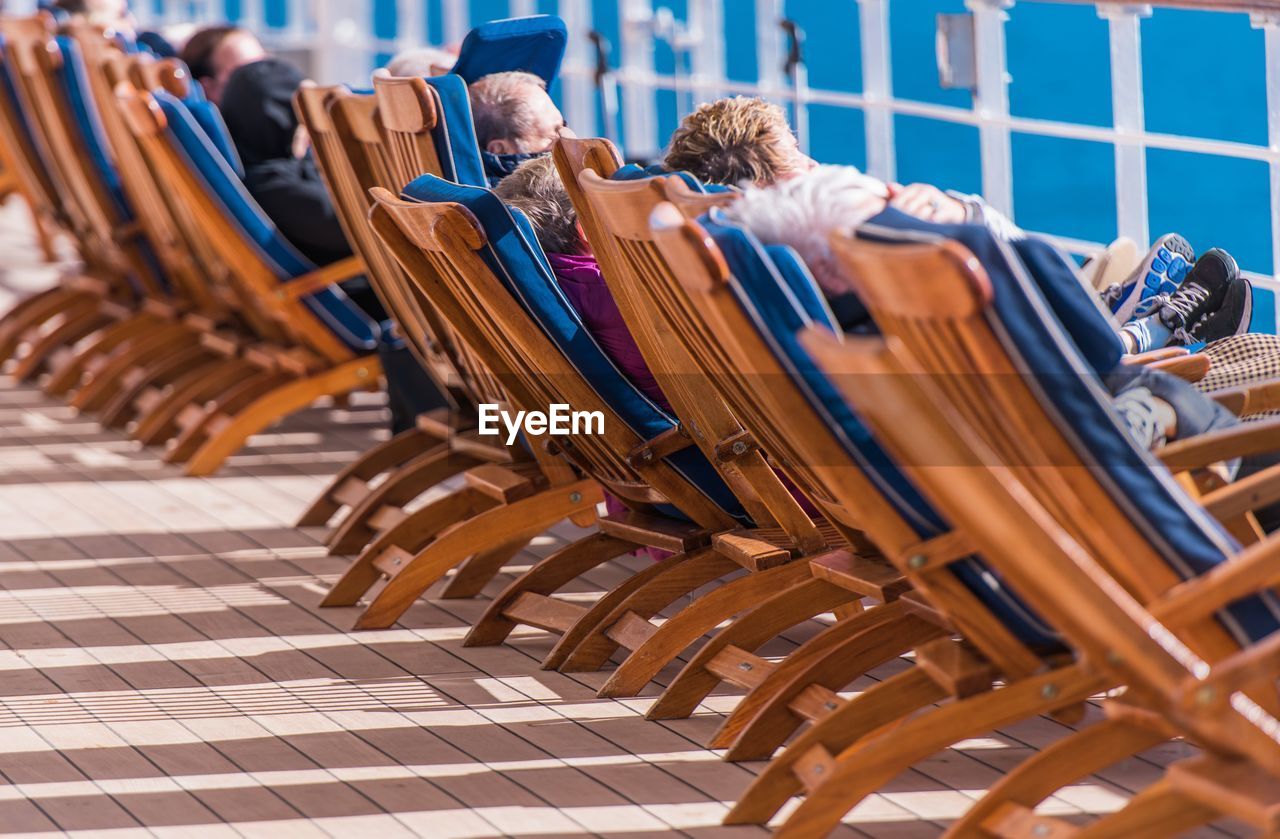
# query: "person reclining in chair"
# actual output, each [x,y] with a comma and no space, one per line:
[515,121]
[747,142]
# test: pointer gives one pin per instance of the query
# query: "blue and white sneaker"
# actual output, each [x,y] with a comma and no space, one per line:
[1164,269]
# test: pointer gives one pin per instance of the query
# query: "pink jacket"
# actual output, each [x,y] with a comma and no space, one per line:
[581,281]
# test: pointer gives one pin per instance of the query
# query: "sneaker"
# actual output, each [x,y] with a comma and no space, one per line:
[1201,294]
[1232,318]
[1166,265]
[1112,266]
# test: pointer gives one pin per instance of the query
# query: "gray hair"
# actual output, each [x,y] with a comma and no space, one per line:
[534,188]
[421,62]
[500,107]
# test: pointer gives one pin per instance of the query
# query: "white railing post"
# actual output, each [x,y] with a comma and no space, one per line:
[454,17]
[579,98]
[991,102]
[706,36]
[1125,26]
[877,87]
[639,110]
[1270,26]
[411,24]
[523,8]
[770,52]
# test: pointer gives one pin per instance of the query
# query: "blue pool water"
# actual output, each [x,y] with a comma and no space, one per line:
[1204,77]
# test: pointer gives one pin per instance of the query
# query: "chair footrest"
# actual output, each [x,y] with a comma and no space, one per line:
[739,667]
[631,631]
[544,612]
[501,483]
[656,532]
[869,576]
[755,550]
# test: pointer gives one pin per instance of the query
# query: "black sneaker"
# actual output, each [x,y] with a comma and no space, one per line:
[1200,294]
[1232,318]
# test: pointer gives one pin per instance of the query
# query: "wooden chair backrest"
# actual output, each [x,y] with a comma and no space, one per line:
[934,300]
[275,316]
[107,66]
[30,166]
[31,58]
[319,109]
[1110,629]
[408,110]
[641,283]
[437,245]
[746,372]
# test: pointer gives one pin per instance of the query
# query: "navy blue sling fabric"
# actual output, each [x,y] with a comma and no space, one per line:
[513,254]
[766,289]
[534,44]
[455,133]
[1186,537]
[73,79]
[209,118]
[331,305]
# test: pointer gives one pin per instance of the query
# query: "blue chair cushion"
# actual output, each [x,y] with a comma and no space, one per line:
[73,78]
[331,305]
[209,118]
[1184,535]
[534,44]
[455,133]
[513,254]
[766,291]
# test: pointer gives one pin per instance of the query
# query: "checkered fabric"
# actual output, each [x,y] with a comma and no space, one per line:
[1240,360]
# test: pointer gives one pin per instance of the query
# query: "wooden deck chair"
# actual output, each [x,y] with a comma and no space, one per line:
[348,147]
[1031,334]
[98,373]
[787,532]
[313,341]
[652,303]
[30,63]
[752,314]
[496,290]
[1154,643]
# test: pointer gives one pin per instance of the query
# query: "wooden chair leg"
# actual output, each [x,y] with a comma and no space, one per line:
[196,420]
[470,578]
[606,609]
[404,540]
[158,407]
[68,369]
[1159,810]
[371,514]
[77,322]
[837,784]
[788,695]
[532,590]
[157,372]
[230,436]
[105,380]
[705,613]
[646,596]
[525,518]
[28,315]
[353,481]
[730,650]
[1076,756]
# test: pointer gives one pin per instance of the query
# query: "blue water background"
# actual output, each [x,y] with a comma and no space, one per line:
[1203,77]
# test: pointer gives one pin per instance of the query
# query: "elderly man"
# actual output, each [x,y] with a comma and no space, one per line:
[515,121]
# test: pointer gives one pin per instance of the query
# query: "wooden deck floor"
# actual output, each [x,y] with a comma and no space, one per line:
[165,670]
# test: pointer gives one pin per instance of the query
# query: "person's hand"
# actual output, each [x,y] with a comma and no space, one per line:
[927,202]
[301,142]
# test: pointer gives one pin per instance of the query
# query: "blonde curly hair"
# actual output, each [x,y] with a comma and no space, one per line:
[734,141]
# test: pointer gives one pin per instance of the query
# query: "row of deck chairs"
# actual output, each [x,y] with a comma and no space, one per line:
[970,498]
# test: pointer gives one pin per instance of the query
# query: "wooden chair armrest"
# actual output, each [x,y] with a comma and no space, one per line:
[343,269]
[1248,400]
[1245,495]
[1227,444]
[1145,358]
[1254,569]
[1190,368]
